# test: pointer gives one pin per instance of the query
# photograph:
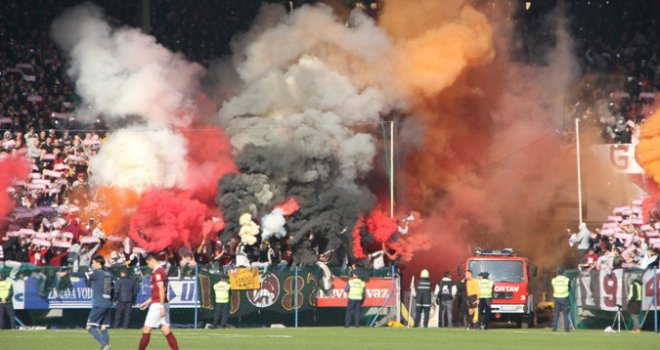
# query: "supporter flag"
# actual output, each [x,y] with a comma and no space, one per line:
[244,279]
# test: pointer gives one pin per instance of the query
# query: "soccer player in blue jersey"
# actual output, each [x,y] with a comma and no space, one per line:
[99,318]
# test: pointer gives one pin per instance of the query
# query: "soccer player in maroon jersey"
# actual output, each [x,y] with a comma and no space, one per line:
[159,309]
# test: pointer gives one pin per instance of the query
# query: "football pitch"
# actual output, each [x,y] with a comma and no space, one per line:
[338,338]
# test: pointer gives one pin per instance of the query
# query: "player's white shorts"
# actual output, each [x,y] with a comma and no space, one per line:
[154,320]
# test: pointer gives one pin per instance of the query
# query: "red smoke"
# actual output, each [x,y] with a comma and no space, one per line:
[358,252]
[209,158]
[168,219]
[487,164]
[433,244]
[381,225]
[289,206]
[212,226]
[11,169]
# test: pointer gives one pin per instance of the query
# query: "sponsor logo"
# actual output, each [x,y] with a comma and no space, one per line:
[513,289]
[377,293]
[268,294]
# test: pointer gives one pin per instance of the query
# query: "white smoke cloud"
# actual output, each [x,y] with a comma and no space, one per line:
[249,229]
[139,158]
[121,72]
[272,225]
[362,49]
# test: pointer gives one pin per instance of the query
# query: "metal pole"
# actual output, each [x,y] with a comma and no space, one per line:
[146,16]
[395,292]
[398,299]
[392,169]
[579,165]
[572,315]
[196,295]
[655,297]
[412,284]
[295,296]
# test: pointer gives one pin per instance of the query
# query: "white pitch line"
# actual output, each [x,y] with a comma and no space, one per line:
[236,335]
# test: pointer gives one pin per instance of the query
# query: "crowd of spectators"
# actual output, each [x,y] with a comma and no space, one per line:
[614,42]
[201,32]
[625,241]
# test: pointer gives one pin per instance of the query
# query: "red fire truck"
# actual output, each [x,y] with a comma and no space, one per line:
[512,297]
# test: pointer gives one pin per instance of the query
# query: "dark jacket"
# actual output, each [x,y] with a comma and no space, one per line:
[125,290]
[423,293]
[9,249]
[461,290]
[22,253]
[445,286]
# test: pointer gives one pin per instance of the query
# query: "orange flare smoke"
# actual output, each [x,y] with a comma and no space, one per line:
[648,149]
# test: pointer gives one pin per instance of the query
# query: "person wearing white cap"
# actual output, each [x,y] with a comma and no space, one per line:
[423,298]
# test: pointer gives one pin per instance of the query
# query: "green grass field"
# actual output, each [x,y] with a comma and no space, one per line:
[338,339]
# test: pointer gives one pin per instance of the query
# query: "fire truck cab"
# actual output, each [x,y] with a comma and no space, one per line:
[512,297]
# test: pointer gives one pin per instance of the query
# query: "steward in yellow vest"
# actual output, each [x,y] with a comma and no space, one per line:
[6,306]
[356,289]
[485,299]
[221,308]
[561,291]
[634,306]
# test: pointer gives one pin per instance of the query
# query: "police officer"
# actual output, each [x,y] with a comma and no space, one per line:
[356,289]
[6,306]
[221,308]
[560,291]
[423,298]
[125,295]
[635,303]
[485,299]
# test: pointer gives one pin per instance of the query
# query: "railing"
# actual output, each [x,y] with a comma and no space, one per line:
[290,296]
[597,296]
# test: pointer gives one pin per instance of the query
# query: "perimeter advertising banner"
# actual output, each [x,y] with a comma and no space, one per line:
[181,293]
[602,290]
[278,291]
[379,292]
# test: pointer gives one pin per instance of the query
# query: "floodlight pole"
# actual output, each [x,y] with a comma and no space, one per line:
[196,295]
[392,169]
[579,166]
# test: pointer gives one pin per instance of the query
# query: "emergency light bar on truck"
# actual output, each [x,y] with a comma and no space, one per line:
[491,252]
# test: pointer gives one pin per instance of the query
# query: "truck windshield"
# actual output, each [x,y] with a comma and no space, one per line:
[499,270]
